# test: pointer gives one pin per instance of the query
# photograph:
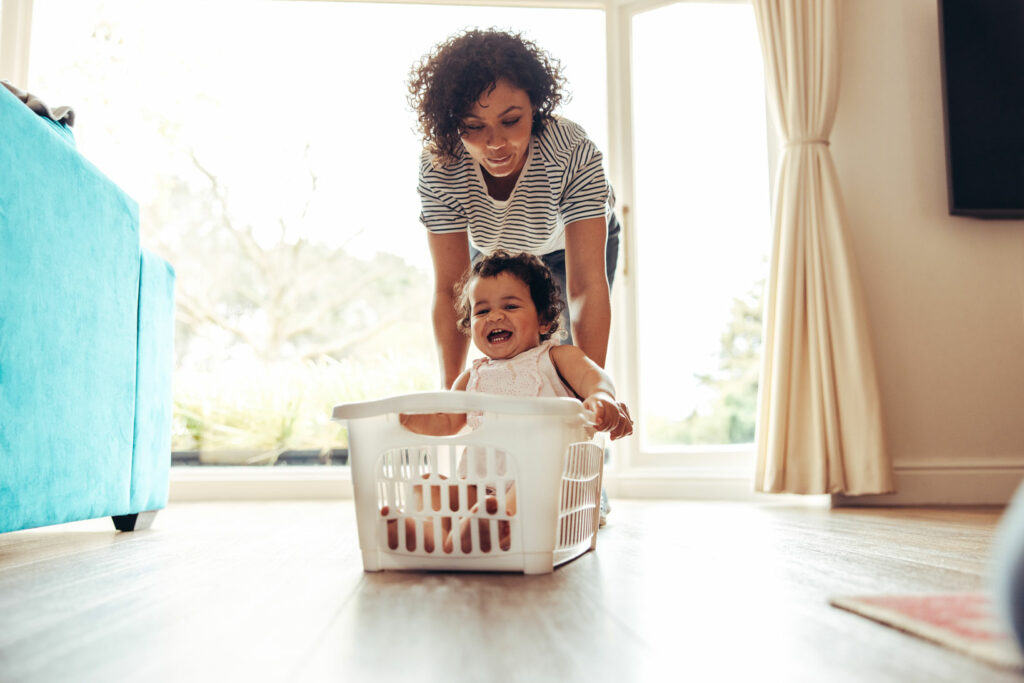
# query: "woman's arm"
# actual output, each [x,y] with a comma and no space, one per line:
[450,254]
[587,281]
[594,385]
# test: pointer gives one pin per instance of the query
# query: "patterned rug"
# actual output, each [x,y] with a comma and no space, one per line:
[964,622]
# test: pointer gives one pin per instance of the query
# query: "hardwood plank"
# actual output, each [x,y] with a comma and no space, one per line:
[218,590]
[276,591]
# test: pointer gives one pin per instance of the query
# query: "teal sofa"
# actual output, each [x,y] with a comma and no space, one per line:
[86,338]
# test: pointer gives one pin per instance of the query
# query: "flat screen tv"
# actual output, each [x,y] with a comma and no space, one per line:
[982,52]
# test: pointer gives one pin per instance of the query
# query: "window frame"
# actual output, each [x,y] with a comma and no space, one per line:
[706,472]
[728,468]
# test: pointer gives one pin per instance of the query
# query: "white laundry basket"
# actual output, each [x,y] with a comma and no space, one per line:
[410,488]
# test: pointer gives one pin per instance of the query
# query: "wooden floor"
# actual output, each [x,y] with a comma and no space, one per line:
[689,591]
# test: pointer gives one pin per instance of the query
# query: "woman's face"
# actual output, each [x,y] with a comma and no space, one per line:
[504,318]
[497,129]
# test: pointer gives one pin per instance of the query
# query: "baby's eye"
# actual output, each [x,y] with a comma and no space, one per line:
[511,307]
[482,311]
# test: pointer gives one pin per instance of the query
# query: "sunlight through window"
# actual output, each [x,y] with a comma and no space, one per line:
[702,220]
[274,159]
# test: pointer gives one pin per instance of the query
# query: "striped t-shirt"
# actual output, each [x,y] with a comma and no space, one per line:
[562,181]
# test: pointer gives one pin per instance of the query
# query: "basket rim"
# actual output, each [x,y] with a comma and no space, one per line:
[459,401]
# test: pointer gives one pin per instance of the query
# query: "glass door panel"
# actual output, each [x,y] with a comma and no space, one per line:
[702,221]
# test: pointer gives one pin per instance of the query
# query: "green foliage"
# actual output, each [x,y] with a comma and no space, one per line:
[247,413]
[733,413]
[274,328]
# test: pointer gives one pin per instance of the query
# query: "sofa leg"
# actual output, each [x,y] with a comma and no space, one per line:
[136,522]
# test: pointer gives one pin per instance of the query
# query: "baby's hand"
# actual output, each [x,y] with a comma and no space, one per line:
[609,415]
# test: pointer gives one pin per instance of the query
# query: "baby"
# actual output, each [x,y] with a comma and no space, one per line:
[510,305]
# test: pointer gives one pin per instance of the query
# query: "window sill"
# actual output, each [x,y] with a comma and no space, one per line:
[194,484]
[312,482]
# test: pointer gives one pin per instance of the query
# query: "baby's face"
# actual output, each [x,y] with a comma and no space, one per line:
[504,319]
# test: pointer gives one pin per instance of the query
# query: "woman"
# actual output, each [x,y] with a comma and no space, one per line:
[500,171]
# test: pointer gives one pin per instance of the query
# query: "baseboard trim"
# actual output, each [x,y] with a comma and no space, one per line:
[259,483]
[944,485]
[915,485]
[196,484]
[728,484]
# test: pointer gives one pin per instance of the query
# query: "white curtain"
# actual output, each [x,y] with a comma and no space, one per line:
[819,426]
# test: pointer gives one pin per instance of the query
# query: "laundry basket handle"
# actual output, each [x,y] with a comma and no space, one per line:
[459,402]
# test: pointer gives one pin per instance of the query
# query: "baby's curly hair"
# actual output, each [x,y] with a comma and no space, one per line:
[446,83]
[529,269]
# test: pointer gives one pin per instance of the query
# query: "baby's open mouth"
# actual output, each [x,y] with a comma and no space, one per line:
[495,336]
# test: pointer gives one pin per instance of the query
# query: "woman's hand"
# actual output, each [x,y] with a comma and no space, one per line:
[609,415]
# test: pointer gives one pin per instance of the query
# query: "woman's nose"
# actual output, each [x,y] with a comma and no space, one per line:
[495,139]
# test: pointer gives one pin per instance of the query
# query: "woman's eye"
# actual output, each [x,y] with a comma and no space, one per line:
[511,122]
[469,127]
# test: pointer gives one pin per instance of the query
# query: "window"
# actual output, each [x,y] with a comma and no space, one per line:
[273,155]
[274,158]
[702,223]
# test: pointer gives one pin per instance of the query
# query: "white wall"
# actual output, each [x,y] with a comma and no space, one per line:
[15,29]
[944,294]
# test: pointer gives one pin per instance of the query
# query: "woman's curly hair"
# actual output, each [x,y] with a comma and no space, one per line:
[529,269]
[448,81]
